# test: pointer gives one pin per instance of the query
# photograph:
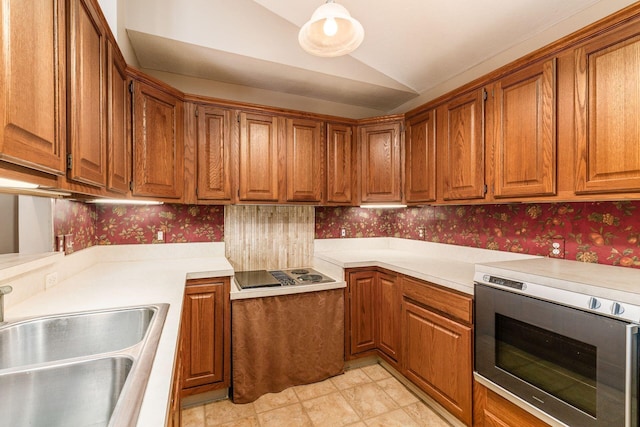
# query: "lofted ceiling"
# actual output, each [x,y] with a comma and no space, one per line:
[410,46]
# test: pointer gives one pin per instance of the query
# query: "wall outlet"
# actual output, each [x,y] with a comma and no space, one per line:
[556,250]
[51,280]
[343,232]
[421,232]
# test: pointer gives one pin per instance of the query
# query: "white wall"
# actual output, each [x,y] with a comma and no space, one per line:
[35,228]
[114,12]
[8,224]
[588,16]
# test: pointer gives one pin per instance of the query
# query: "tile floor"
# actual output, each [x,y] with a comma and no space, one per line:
[367,396]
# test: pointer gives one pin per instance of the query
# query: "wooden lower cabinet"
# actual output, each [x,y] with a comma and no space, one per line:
[175,417]
[206,336]
[361,337]
[373,315]
[492,410]
[388,319]
[437,358]
[423,330]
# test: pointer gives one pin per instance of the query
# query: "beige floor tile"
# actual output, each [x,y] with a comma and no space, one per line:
[369,400]
[376,372]
[425,416]
[311,391]
[397,418]
[398,392]
[331,410]
[271,401]
[245,422]
[350,379]
[288,416]
[223,411]
[193,417]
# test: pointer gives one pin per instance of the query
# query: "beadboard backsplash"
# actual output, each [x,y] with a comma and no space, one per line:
[269,237]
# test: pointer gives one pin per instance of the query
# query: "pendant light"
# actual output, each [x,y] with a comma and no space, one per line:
[331,31]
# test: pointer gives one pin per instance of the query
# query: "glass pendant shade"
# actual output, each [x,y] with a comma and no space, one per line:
[331,31]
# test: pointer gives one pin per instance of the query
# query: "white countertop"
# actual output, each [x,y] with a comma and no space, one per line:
[445,265]
[126,283]
[605,281]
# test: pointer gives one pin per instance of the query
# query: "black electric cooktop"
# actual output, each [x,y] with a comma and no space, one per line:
[289,277]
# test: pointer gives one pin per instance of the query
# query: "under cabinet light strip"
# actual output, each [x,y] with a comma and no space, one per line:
[383,206]
[123,202]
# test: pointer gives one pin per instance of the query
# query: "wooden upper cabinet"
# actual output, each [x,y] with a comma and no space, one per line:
[340,164]
[607,113]
[420,158]
[214,153]
[158,142]
[525,150]
[305,160]
[87,94]
[380,162]
[259,161]
[32,80]
[119,171]
[461,144]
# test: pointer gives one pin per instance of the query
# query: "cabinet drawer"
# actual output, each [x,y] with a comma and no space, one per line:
[445,301]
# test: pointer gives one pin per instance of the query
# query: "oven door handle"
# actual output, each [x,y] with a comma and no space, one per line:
[631,374]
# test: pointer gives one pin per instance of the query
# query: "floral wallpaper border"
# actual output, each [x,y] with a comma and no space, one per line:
[600,232]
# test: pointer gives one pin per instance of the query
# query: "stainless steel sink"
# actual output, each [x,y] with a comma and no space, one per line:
[81,393]
[61,337]
[78,369]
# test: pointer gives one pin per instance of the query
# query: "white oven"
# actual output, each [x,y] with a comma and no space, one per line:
[571,355]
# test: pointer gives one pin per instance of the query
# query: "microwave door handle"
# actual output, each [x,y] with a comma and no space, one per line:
[631,372]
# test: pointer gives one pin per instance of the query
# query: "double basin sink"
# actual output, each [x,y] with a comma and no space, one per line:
[79,369]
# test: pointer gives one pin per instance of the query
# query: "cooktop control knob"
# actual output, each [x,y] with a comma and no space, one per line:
[617,309]
[594,304]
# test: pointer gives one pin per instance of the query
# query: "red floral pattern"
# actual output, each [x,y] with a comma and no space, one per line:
[125,224]
[599,232]
[77,219]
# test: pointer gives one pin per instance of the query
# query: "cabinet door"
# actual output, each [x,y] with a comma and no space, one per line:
[119,174]
[158,144]
[305,166]
[340,164]
[87,93]
[174,418]
[32,81]
[362,323]
[388,315]
[420,159]
[526,132]
[205,320]
[607,113]
[214,153]
[437,358]
[259,167]
[491,410]
[380,162]
[461,142]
